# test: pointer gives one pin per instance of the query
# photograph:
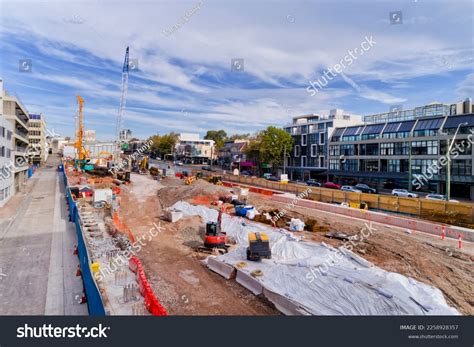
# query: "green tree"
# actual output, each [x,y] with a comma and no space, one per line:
[164,144]
[218,136]
[274,141]
[238,137]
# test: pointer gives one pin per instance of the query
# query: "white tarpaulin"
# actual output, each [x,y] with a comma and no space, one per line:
[349,286]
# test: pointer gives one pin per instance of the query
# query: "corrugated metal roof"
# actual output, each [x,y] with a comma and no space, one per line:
[392,127]
[429,124]
[373,129]
[406,126]
[352,131]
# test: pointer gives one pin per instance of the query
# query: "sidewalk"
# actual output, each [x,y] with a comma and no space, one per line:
[36,252]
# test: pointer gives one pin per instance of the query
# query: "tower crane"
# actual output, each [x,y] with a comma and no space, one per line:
[123,100]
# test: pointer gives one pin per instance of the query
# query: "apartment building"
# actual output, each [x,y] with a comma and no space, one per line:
[309,156]
[37,139]
[232,154]
[191,149]
[403,149]
[6,161]
[17,115]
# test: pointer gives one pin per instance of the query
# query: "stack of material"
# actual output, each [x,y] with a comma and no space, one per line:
[317,279]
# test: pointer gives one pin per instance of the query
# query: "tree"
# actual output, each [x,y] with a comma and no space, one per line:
[218,136]
[238,137]
[164,144]
[274,141]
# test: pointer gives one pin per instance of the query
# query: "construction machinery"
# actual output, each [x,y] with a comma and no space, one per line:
[259,246]
[217,180]
[190,180]
[215,240]
[83,154]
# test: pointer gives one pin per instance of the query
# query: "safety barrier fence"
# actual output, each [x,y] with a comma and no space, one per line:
[152,303]
[453,213]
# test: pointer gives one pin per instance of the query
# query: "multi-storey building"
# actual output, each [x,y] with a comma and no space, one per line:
[309,156]
[403,149]
[232,154]
[191,149]
[17,115]
[125,135]
[37,138]
[6,161]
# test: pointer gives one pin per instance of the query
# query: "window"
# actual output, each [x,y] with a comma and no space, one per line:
[313,150]
[321,161]
[461,167]
[2,131]
[348,150]
[334,150]
[297,151]
[321,138]
[303,161]
[333,164]
[2,151]
[424,147]
[9,135]
[369,149]
[303,140]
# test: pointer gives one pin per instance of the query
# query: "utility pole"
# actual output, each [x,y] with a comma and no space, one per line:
[448,172]
[284,160]
[212,153]
[409,166]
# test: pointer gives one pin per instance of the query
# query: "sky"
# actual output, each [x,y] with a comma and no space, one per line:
[183,78]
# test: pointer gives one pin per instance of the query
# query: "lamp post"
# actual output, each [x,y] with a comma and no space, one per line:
[448,172]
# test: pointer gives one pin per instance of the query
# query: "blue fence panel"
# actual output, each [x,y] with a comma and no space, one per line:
[94,299]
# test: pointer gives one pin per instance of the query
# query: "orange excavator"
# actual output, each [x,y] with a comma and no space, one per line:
[215,240]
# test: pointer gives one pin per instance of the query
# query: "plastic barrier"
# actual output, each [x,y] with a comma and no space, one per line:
[152,304]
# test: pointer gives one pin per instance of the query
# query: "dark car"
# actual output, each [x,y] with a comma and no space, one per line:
[272,178]
[364,188]
[245,173]
[331,185]
[207,168]
[313,183]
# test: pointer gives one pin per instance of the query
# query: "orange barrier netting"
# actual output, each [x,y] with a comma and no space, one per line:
[122,227]
[152,303]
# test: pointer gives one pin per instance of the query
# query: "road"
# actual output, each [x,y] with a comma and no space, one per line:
[36,252]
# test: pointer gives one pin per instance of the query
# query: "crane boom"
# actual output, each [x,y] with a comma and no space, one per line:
[80,131]
[123,100]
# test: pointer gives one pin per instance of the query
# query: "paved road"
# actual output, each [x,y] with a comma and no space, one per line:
[36,254]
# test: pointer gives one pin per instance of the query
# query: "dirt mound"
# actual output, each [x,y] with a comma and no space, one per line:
[200,192]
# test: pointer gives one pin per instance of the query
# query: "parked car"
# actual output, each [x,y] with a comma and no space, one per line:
[298,182]
[365,188]
[313,183]
[272,178]
[266,175]
[331,185]
[179,163]
[404,193]
[439,197]
[350,189]
[206,168]
[245,173]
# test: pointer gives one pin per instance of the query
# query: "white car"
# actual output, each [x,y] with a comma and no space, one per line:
[179,163]
[439,197]
[350,189]
[404,193]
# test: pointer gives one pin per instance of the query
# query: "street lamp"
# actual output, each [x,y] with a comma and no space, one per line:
[448,173]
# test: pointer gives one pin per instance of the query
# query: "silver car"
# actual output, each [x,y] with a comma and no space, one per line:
[350,189]
[404,193]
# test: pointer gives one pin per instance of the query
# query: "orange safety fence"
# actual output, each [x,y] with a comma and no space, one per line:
[122,227]
[152,303]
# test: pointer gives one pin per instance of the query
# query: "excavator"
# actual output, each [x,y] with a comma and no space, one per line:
[215,240]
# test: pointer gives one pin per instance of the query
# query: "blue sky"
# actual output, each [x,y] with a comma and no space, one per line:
[184,81]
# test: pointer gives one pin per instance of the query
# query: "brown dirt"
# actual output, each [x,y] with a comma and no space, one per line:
[420,256]
[186,287]
[182,284]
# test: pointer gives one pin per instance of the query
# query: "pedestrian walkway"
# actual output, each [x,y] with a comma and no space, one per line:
[36,253]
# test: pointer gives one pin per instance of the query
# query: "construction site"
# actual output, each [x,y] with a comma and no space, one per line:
[161,242]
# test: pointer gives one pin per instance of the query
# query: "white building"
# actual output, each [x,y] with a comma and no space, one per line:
[6,161]
[191,149]
[89,136]
[17,115]
[37,138]
[125,135]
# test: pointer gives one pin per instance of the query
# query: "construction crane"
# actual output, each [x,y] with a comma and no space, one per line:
[123,100]
[79,144]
